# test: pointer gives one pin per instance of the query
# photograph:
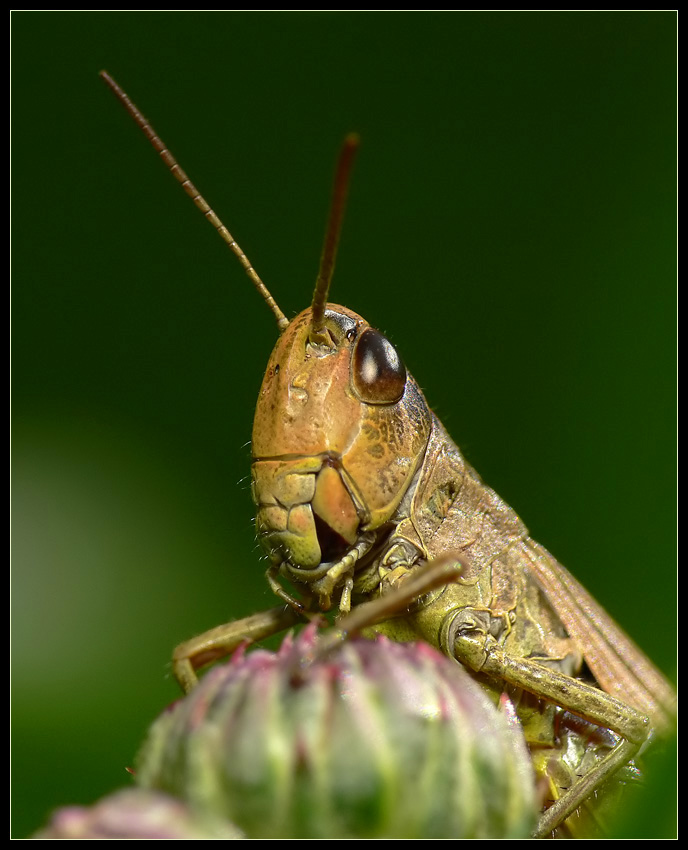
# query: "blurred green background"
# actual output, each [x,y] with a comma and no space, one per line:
[511,227]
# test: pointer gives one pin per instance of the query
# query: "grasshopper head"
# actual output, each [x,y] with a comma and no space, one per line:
[339,431]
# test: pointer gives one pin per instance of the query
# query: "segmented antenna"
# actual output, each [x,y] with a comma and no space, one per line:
[195,196]
[342,179]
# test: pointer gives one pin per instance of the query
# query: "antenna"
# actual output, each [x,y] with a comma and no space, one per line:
[195,196]
[340,191]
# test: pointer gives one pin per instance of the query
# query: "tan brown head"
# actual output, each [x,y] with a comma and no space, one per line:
[339,431]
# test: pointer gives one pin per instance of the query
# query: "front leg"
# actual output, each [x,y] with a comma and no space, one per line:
[221,641]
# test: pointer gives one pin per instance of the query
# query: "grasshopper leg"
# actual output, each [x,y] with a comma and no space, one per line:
[219,642]
[482,654]
[566,805]
[428,577]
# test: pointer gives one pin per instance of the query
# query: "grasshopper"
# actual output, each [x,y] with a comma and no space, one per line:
[364,503]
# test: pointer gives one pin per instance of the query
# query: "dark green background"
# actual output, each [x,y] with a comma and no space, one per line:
[511,227]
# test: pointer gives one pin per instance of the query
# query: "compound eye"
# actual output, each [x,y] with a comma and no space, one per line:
[378,373]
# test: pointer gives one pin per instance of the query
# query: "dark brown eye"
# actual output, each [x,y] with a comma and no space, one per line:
[378,373]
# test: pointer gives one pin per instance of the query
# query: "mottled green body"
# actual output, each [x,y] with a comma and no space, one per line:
[451,510]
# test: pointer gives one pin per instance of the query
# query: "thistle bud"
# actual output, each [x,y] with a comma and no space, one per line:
[136,814]
[371,739]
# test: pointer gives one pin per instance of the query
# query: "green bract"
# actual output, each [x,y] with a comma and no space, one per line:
[372,739]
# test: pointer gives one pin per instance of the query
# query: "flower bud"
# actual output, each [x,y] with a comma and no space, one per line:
[135,814]
[371,739]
